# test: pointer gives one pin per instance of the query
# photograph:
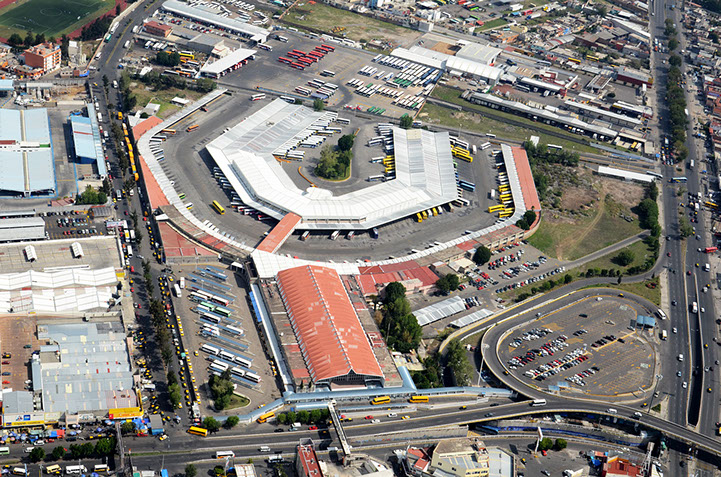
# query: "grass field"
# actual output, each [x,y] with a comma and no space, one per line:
[573,240]
[651,294]
[495,23]
[50,17]
[639,249]
[162,98]
[320,16]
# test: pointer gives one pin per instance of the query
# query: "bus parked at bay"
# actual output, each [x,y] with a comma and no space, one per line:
[257,97]
[418,399]
[381,400]
[101,468]
[54,469]
[265,417]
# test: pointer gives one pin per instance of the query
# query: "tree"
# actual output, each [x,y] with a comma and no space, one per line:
[282,419]
[318,104]
[231,422]
[345,143]
[205,85]
[127,427]
[567,279]
[448,283]
[672,44]
[117,10]
[15,40]
[394,291]
[190,471]
[211,424]
[527,220]
[175,395]
[39,38]
[37,454]
[674,60]
[58,453]
[406,121]
[303,416]
[482,255]
[457,362]
[91,196]
[561,444]
[104,447]
[545,444]
[625,258]
[29,39]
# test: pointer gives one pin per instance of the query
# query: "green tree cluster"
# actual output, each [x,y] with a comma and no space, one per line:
[221,388]
[316,416]
[431,376]
[406,121]
[457,362]
[482,255]
[542,155]
[676,101]
[625,258]
[399,326]
[448,283]
[157,318]
[91,196]
[527,220]
[169,59]
[96,29]
[334,163]
[212,424]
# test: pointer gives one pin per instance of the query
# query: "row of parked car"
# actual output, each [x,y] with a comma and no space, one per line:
[525,282]
[578,377]
[554,367]
[602,341]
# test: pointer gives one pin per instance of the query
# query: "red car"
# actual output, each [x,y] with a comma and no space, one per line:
[6,382]
[313,428]
[6,362]
[544,452]
[369,417]
[132,269]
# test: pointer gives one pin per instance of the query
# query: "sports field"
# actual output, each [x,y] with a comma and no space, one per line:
[50,17]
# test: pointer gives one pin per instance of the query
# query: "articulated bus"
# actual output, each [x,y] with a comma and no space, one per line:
[264,417]
[711,205]
[298,52]
[417,399]
[381,400]
[218,208]
[198,431]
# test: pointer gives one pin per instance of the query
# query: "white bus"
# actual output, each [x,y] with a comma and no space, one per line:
[182,283]
[257,97]
[538,402]
[75,469]
[224,454]
[265,47]
[664,335]
[130,250]
[264,449]
[327,73]
[335,235]
[176,289]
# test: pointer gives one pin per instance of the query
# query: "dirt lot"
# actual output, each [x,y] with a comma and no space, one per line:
[20,331]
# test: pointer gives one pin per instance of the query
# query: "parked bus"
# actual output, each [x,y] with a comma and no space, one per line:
[187,54]
[168,131]
[101,468]
[20,471]
[381,400]
[198,431]
[264,417]
[54,469]
[176,289]
[218,208]
[417,399]
[257,97]
[328,47]
[327,73]
[192,128]
[75,469]
[224,454]
[4,450]
[265,47]
[285,60]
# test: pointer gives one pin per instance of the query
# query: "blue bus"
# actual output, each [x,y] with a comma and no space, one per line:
[678,180]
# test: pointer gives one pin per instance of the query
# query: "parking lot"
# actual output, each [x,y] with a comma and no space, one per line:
[19,343]
[590,347]
[73,225]
[234,335]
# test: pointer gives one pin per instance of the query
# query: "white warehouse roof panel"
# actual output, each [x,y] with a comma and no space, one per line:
[424,165]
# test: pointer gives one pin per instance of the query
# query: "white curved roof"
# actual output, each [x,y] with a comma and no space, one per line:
[425,176]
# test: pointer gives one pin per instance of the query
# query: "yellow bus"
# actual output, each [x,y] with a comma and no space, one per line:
[495,208]
[53,469]
[218,208]
[198,431]
[185,54]
[711,205]
[505,196]
[592,57]
[575,60]
[503,188]
[168,131]
[264,417]
[424,214]
[419,217]
[465,158]
[192,128]
[503,215]
[120,115]
[381,400]
[416,399]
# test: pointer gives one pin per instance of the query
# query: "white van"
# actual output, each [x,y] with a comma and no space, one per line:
[680,357]
[611,410]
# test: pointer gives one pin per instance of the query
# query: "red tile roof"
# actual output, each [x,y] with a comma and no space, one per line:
[330,333]
[525,177]
[280,233]
[175,245]
[371,277]
[620,468]
[309,461]
[145,126]
[156,197]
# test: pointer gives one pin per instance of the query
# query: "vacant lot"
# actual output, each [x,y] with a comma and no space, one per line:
[588,216]
[162,98]
[320,17]
[50,17]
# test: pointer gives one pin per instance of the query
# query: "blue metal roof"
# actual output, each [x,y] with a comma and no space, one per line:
[12,175]
[6,85]
[37,126]
[83,137]
[99,154]
[41,170]
[10,128]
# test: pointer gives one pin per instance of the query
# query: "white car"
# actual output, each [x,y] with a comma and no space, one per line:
[684,385]
[674,330]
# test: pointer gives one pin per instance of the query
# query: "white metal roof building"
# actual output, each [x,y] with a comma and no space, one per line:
[219,67]
[233,25]
[86,369]
[425,176]
[484,54]
[20,229]
[26,153]
[625,175]
[448,63]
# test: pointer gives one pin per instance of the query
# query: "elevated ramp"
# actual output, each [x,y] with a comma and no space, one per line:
[280,233]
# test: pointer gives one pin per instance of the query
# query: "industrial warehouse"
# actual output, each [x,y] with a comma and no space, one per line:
[425,176]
